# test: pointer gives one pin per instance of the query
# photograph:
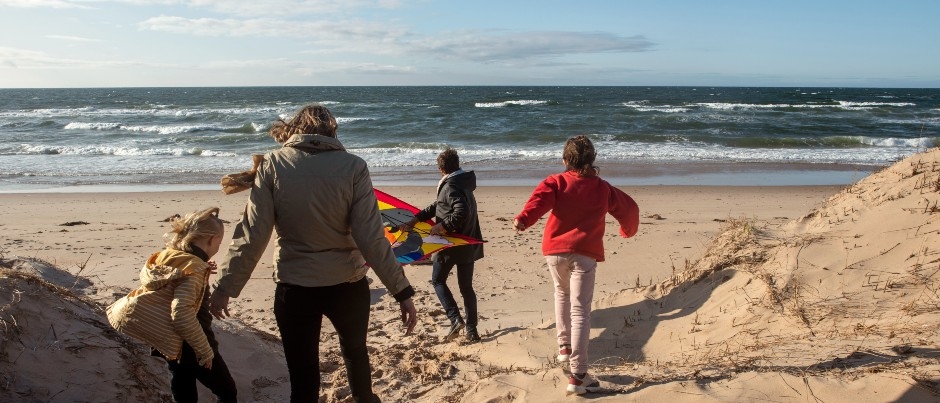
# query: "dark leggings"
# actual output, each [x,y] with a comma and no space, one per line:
[185,372]
[439,273]
[299,313]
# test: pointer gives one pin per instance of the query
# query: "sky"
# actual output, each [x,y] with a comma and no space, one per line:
[170,43]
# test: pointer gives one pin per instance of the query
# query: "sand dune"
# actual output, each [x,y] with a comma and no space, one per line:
[727,294]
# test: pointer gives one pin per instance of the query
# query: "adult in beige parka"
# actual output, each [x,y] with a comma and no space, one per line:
[320,200]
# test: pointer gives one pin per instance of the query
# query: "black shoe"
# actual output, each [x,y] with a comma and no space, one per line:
[454,331]
[472,335]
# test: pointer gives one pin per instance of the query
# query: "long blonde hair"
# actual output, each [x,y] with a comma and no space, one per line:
[311,119]
[194,226]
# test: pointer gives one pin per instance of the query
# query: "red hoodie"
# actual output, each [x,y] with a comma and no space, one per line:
[579,205]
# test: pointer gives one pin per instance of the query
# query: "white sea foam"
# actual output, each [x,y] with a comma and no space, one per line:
[637,151]
[737,106]
[521,102]
[222,111]
[91,126]
[703,152]
[410,157]
[27,149]
[917,143]
[350,120]
[160,129]
[850,104]
[159,112]
[643,106]
[210,153]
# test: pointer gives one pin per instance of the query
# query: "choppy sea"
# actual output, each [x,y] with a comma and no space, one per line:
[189,137]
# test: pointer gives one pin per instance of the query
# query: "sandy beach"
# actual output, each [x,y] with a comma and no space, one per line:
[727,293]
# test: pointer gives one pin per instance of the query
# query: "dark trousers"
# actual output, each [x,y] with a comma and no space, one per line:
[439,274]
[185,372]
[299,313]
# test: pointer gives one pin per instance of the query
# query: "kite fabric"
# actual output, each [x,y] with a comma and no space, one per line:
[417,244]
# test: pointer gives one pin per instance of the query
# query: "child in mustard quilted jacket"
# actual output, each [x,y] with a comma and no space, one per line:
[170,310]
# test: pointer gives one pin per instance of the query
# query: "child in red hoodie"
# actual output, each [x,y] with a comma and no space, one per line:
[573,243]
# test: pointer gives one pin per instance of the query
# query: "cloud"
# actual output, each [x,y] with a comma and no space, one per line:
[72,38]
[286,7]
[323,68]
[247,64]
[41,4]
[306,68]
[31,59]
[315,31]
[21,58]
[230,7]
[374,38]
[487,48]
[373,68]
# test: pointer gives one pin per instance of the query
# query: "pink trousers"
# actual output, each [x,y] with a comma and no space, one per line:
[573,275]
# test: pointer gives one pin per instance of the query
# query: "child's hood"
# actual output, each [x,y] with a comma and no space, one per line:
[168,265]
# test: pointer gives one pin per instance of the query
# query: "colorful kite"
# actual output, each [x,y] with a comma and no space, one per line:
[417,244]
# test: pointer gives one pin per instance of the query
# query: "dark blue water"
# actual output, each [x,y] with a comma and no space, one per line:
[62,137]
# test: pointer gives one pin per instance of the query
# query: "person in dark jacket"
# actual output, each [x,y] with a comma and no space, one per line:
[455,212]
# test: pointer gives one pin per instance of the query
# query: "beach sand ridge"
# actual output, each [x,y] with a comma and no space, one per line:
[726,294]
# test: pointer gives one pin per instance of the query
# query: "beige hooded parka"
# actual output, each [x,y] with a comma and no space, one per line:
[320,200]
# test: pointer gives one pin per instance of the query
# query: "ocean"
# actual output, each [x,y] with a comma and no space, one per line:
[164,138]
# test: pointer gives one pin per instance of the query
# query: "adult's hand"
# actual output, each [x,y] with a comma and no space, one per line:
[405,227]
[437,229]
[218,305]
[518,225]
[409,316]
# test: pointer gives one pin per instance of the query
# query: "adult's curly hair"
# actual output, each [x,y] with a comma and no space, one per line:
[448,161]
[311,119]
[579,156]
[195,225]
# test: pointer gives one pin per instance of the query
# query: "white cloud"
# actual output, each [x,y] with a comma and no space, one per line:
[30,59]
[72,38]
[326,68]
[284,7]
[246,64]
[488,48]
[305,68]
[315,31]
[374,38]
[232,7]
[21,58]
[373,68]
[41,4]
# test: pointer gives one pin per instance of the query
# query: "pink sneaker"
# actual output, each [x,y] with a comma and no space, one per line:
[564,353]
[579,385]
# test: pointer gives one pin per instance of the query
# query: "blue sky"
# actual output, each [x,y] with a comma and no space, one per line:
[131,43]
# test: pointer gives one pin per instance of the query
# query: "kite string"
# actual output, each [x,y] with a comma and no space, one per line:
[395,223]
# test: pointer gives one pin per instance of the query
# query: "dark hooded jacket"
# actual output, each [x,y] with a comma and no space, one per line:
[456,209]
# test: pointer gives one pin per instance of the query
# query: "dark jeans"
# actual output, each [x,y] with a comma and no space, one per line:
[439,274]
[185,372]
[299,313]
